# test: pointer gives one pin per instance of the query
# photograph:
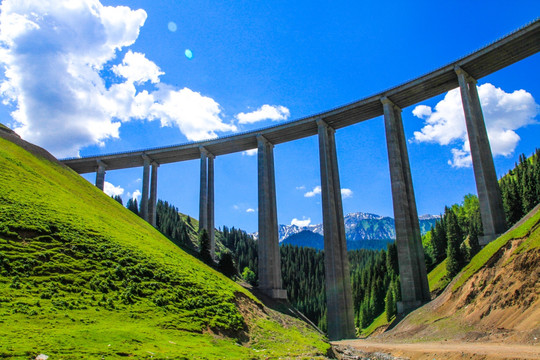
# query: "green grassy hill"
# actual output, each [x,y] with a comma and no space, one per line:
[83,277]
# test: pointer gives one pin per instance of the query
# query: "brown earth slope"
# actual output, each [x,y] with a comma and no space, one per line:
[494,314]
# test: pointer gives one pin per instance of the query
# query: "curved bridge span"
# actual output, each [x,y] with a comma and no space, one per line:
[462,73]
[498,55]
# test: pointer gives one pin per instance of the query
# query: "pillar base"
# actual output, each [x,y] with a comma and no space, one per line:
[486,239]
[407,306]
[275,293]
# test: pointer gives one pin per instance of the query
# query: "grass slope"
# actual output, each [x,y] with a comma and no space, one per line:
[437,278]
[82,277]
[527,228]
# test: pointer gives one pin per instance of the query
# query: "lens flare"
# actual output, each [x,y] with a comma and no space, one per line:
[172,26]
[189,54]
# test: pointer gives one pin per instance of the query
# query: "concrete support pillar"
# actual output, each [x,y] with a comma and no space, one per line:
[145,188]
[153,196]
[210,205]
[340,311]
[100,175]
[489,195]
[269,254]
[203,193]
[206,199]
[412,266]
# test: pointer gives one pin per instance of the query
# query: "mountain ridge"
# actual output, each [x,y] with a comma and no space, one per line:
[362,230]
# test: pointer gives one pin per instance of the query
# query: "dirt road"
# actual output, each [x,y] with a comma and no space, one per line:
[447,350]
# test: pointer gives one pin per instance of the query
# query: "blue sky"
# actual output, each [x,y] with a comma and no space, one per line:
[90,77]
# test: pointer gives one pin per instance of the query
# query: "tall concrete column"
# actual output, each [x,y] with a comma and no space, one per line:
[412,266]
[489,195]
[203,194]
[340,311]
[206,200]
[210,205]
[145,187]
[153,196]
[100,175]
[269,254]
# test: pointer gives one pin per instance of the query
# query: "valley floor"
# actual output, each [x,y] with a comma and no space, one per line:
[444,350]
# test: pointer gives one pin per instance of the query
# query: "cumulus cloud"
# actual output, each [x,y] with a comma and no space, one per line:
[316,190]
[136,68]
[346,193]
[135,196]
[301,223]
[250,152]
[53,53]
[197,116]
[112,190]
[422,111]
[265,112]
[250,210]
[503,113]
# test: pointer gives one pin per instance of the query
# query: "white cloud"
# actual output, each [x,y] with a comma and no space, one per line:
[197,116]
[265,112]
[503,113]
[112,190]
[316,190]
[53,53]
[236,207]
[301,223]
[301,187]
[422,111]
[346,193]
[250,152]
[136,68]
[250,210]
[135,196]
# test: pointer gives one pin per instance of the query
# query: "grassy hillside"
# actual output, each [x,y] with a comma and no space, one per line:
[82,277]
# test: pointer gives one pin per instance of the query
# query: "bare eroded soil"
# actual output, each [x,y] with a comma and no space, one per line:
[447,350]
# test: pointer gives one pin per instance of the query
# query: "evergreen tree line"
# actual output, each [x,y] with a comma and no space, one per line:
[375,284]
[244,250]
[455,236]
[374,277]
[520,188]
[170,224]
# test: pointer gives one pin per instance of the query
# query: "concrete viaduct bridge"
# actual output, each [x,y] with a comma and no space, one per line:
[464,72]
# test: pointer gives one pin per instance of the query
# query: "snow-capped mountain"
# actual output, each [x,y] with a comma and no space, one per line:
[360,229]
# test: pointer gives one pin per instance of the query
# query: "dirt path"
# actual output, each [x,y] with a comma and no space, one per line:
[447,350]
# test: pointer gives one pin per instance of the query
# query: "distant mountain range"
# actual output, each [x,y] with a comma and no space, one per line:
[363,231]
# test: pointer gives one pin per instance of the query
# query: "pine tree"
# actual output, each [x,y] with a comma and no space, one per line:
[392,259]
[439,241]
[204,247]
[133,206]
[453,254]
[226,264]
[474,226]
[118,198]
[390,306]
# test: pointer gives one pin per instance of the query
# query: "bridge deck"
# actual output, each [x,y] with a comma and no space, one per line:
[504,52]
